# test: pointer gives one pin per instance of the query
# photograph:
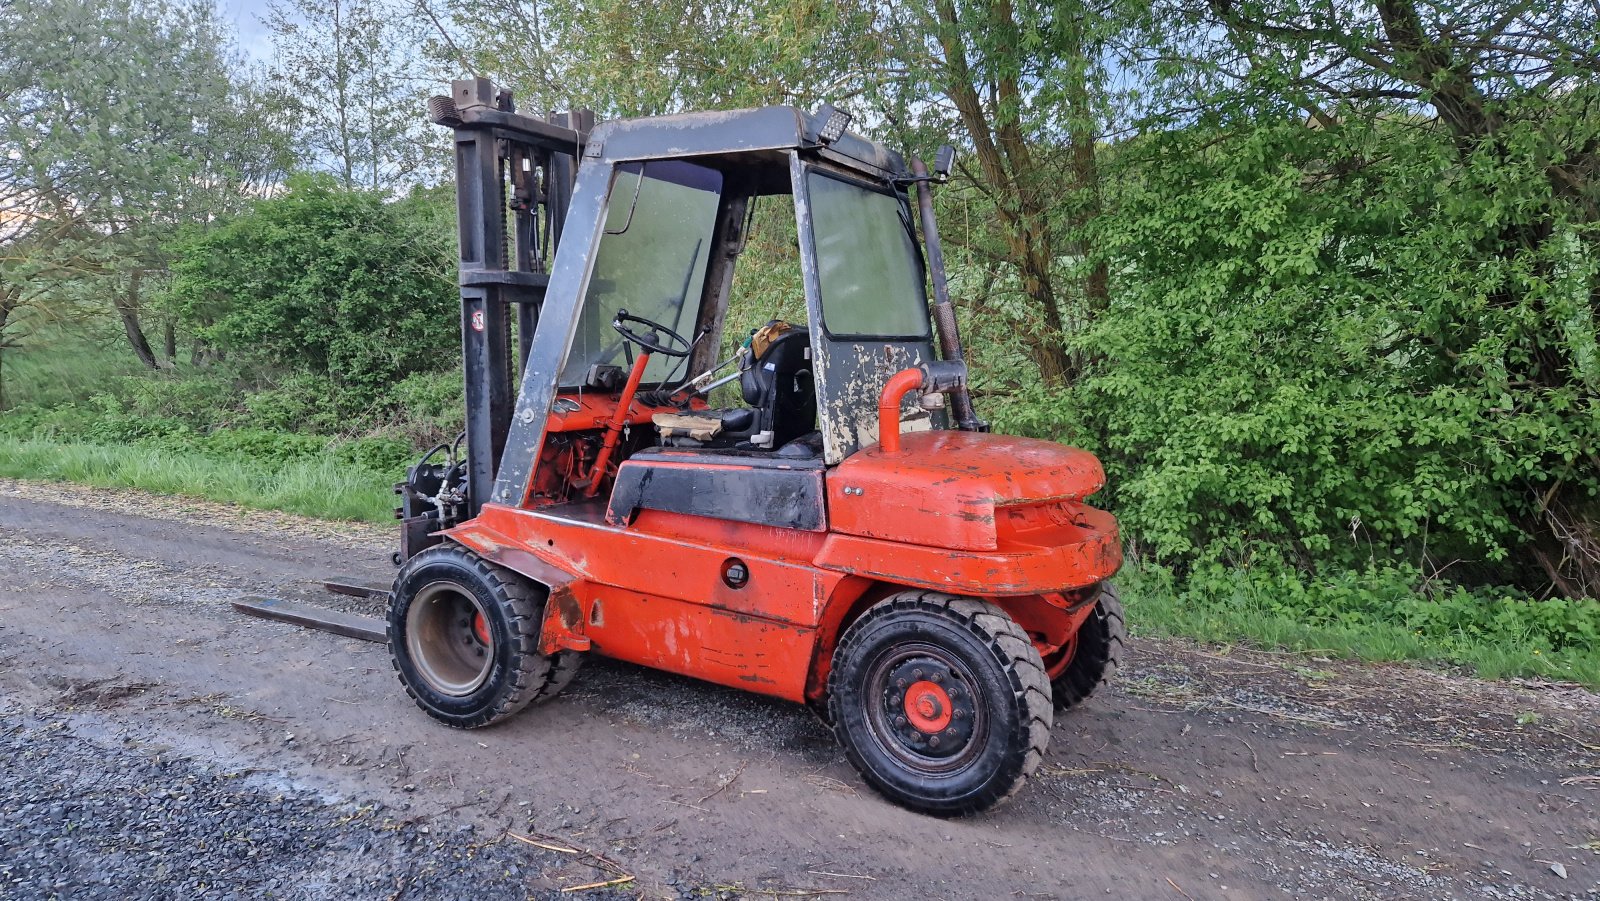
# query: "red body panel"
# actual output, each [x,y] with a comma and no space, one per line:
[948,489]
[1070,556]
[981,515]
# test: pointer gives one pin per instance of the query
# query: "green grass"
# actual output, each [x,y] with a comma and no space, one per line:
[322,487]
[53,368]
[1154,608]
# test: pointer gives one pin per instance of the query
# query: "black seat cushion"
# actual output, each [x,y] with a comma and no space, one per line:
[782,397]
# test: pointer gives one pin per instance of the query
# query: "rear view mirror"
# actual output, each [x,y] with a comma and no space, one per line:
[943,160]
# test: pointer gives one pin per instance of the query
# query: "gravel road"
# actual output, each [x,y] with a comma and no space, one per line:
[153,744]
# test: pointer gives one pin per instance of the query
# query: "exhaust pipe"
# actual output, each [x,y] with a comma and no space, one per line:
[937,377]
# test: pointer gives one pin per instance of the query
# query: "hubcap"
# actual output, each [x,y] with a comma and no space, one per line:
[928,707]
[925,711]
[447,636]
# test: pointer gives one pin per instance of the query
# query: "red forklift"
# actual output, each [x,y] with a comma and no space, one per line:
[850,536]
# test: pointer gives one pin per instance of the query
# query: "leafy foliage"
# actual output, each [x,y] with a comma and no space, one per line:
[1310,359]
[124,122]
[347,70]
[344,286]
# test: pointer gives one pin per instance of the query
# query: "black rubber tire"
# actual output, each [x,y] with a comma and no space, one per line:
[1101,642]
[513,608]
[1007,680]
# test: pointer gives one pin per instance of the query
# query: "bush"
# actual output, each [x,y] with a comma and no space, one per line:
[300,402]
[346,286]
[429,407]
[1349,369]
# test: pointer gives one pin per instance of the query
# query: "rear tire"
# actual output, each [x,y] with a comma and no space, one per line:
[463,638]
[941,702]
[1094,655]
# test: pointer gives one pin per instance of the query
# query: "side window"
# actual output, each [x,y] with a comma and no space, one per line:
[651,260]
[867,262]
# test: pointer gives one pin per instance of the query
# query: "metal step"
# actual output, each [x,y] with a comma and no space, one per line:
[366,628]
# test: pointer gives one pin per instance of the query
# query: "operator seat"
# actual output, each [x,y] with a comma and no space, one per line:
[781,393]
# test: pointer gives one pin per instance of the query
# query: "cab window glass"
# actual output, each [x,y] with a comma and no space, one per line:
[651,261]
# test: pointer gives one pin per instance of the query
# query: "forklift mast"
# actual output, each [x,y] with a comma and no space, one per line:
[514,177]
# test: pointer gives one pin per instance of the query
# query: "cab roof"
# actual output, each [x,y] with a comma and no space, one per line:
[775,129]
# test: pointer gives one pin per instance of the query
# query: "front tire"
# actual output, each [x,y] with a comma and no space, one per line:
[463,638]
[941,702]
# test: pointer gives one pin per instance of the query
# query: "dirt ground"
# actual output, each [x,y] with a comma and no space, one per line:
[1206,773]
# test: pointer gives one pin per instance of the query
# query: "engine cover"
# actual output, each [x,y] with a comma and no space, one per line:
[961,490]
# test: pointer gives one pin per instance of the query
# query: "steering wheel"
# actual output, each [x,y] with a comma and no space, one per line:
[658,334]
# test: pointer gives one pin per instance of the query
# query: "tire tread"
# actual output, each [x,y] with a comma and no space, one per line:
[533,677]
[1102,642]
[1009,644]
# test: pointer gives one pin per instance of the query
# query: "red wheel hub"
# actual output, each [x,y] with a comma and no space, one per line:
[928,707]
[480,628]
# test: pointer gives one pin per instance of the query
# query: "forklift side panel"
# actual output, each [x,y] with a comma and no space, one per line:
[740,590]
[742,489]
[722,646]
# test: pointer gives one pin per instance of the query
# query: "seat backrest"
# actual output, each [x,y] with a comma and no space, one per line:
[779,385]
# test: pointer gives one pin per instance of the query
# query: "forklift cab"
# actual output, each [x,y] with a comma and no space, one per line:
[637,318]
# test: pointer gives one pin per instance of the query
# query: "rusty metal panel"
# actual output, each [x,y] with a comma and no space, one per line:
[698,134]
[959,490]
[1070,556]
[850,372]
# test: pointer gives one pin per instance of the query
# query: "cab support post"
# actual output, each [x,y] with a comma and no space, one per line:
[944,313]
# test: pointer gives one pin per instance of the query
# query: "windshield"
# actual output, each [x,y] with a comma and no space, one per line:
[651,262]
[867,262]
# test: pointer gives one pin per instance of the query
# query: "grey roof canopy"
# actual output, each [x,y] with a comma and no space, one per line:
[775,128]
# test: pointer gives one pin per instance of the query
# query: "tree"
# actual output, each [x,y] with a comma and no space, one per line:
[124,125]
[1027,84]
[350,71]
[629,59]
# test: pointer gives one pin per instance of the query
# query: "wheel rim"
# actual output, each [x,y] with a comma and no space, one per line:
[1055,665]
[448,638]
[924,710]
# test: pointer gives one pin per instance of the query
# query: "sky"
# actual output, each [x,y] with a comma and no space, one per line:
[246,18]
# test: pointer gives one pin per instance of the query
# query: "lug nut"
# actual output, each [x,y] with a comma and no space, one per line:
[937,677]
[917,673]
[933,741]
[959,713]
[899,721]
[900,683]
